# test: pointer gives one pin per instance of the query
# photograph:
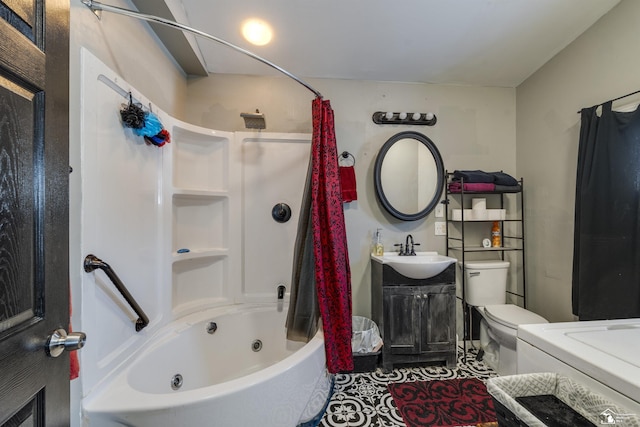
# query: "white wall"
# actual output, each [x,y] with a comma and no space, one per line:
[475,130]
[602,64]
[129,47]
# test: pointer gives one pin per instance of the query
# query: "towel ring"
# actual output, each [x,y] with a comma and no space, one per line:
[348,156]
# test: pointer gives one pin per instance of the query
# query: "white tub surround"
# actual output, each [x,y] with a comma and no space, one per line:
[188,228]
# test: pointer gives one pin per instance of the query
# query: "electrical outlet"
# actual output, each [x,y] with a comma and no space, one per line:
[441,229]
[439,210]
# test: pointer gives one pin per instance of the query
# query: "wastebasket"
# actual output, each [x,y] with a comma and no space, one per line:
[365,344]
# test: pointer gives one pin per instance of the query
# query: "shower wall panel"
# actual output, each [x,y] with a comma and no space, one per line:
[121,224]
[274,171]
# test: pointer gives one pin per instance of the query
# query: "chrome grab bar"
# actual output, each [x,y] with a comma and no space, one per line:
[91,262]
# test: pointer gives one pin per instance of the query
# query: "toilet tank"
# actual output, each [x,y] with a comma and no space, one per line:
[485,282]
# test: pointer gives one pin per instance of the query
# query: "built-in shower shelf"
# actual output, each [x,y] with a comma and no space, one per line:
[200,159]
[197,276]
[200,193]
[202,208]
[199,222]
[201,253]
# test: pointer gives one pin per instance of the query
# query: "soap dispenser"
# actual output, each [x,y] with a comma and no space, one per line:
[378,248]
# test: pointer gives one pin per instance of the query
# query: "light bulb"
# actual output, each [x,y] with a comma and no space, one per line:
[416,116]
[429,116]
[388,115]
[257,32]
[402,116]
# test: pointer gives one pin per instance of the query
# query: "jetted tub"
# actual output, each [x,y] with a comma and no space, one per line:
[229,366]
[602,355]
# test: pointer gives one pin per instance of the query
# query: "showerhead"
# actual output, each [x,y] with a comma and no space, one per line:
[254,120]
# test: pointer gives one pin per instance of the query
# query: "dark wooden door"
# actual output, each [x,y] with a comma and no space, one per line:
[34,229]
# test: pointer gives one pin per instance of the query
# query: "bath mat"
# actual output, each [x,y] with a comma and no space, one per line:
[443,403]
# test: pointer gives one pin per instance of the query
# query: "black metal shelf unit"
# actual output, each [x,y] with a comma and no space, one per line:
[458,246]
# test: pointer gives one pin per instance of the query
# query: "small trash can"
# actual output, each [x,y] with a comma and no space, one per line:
[365,344]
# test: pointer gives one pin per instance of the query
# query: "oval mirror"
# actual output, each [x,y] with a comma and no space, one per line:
[409,176]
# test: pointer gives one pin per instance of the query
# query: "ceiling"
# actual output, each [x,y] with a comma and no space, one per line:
[471,42]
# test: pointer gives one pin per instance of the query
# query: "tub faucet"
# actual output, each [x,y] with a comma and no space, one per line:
[281,290]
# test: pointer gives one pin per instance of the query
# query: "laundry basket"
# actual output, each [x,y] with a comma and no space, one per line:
[531,399]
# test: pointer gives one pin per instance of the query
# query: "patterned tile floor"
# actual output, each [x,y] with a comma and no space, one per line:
[363,400]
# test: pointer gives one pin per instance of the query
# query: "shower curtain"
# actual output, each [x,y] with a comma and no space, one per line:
[606,259]
[321,273]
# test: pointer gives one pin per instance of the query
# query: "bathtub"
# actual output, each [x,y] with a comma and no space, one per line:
[230,366]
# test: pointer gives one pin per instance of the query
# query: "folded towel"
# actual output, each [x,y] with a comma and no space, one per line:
[508,188]
[501,178]
[348,183]
[472,176]
[498,178]
[456,187]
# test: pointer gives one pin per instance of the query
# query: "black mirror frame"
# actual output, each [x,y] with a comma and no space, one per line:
[377,172]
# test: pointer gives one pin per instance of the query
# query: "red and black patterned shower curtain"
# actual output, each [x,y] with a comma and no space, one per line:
[321,258]
[333,274]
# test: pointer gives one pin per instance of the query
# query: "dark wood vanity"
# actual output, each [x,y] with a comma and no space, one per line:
[416,318]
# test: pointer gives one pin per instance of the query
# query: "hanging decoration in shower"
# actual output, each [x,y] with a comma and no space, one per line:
[144,123]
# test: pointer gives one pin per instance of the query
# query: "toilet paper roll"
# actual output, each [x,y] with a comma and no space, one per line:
[479,205]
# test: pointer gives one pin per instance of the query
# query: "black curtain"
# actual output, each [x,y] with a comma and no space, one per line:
[606,259]
[304,313]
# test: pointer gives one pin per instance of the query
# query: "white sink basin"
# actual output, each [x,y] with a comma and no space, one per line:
[421,266]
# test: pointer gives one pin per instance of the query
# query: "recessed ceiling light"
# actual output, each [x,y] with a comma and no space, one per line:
[257,32]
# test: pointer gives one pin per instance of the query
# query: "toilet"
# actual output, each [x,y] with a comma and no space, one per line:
[485,289]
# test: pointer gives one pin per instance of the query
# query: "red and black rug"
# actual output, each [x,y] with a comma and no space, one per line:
[446,403]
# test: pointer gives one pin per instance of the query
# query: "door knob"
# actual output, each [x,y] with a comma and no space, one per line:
[60,341]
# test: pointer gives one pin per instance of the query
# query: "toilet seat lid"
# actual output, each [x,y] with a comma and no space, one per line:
[511,315]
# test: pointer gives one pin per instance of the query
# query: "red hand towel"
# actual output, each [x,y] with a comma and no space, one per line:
[74,368]
[348,183]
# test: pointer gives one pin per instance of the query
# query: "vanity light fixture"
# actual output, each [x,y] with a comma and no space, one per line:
[403,118]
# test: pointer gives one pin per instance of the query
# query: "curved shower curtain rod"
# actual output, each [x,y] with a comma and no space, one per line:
[97,6]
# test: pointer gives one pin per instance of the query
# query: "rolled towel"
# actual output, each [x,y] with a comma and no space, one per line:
[348,183]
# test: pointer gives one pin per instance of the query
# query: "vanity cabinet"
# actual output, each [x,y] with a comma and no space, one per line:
[416,318]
